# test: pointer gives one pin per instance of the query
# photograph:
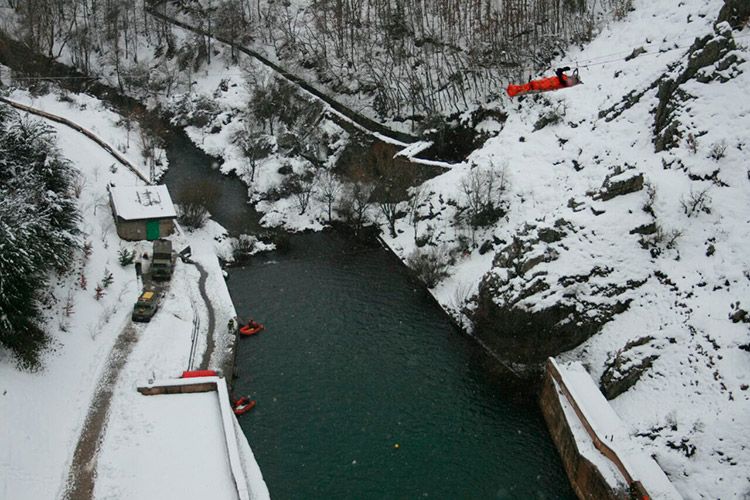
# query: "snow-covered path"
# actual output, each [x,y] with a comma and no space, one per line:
[81,477]
[210,341]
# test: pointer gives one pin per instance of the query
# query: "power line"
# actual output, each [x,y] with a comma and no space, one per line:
[595,61]
[52,77]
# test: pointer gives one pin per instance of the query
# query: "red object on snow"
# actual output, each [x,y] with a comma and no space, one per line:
[245,407]
[544,84]
[251,328]
[199,373]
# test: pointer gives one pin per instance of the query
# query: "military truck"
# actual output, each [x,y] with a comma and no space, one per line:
[146,306]
[163,260]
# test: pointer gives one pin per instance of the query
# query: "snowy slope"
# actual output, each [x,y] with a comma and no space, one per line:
[41,414]
[689,406]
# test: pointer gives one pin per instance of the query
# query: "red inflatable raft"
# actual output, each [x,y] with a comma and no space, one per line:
[243,405]
[240,401]
[251,328]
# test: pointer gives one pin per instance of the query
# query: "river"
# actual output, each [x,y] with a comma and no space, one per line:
[356,359]
[364,388]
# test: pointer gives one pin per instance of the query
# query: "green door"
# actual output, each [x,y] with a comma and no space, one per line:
[152,230]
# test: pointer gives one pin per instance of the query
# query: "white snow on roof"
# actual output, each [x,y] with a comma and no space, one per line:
[142,202]
[177,451]
[230,453]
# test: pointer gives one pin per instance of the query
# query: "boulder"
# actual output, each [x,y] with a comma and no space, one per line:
[620,184]
[735,12]
[627,366]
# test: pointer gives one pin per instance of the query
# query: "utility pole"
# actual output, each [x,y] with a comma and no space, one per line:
[190,78]
[208,41]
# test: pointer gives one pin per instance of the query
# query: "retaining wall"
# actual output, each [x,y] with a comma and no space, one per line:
[585,477]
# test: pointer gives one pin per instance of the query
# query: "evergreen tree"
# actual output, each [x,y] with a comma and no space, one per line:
[38,228]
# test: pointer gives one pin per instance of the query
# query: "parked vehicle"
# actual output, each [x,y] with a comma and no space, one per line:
[163,260]
[146,306]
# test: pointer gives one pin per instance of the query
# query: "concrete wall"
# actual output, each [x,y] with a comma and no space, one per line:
[228,363]
[136,230]
[584,476]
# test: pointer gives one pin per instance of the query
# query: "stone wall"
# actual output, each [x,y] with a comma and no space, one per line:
[228,363]
[584,476]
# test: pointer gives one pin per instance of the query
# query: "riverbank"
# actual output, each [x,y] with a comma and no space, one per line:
[526,382]
[40,441]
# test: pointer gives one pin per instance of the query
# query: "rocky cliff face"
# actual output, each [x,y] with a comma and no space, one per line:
[555,284]
[710,58]
[623,238]
[557,280]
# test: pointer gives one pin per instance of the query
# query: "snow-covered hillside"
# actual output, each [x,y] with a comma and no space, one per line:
[618,236]
[605,234]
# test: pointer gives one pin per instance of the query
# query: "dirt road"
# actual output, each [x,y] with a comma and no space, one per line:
[82,474]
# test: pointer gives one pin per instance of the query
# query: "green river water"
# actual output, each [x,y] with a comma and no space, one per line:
[364,388]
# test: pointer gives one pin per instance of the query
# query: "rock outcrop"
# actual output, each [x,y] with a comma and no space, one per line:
[527,310]
[620,184]
[626,367]
[710,58]
[736,13]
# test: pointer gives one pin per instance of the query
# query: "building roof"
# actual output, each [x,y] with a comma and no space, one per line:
[142,202]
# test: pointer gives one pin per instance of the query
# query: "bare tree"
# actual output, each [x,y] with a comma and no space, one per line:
[696,202]
[273,102]
[254,146]
[483,188]
[302,187]
[194,203]
[354,204]
[150,135]
[129,119]
[418,196]
[389,209]
[328,190]
[430,265]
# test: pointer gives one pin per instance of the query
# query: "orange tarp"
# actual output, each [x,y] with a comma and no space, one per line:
[541,85]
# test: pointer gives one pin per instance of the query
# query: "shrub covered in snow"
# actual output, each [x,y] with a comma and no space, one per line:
[197,110]
[430,265]
[194,203]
